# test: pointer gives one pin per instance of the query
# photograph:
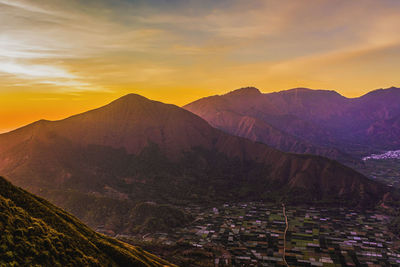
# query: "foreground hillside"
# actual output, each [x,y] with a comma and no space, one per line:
[302,120]
[101,164]
[36,233]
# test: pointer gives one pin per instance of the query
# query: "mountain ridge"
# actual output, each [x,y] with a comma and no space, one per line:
[257,91]
[36,232]
[320,118]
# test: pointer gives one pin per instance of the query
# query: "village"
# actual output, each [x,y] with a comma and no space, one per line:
[251,234]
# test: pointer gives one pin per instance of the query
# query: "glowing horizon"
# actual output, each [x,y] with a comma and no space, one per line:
[59,58]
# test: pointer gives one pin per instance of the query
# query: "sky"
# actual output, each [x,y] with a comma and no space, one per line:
[61,57]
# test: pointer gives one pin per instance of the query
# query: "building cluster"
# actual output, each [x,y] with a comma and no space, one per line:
[388,155]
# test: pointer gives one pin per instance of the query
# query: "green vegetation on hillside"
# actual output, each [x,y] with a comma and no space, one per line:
[150,217]
[36,233]
[119,215]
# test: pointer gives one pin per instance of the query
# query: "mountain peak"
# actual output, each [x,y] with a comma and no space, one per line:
[299,89]
[245,91]
[131,98]
[308,90]
[382,91]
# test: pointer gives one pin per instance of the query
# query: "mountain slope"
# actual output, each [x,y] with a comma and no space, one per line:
[129,123]
[34,232]
[136,150]
[324,122]
[248,113]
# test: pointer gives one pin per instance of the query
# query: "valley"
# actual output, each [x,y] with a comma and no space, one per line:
[386,171]
[384,167]
[252,234]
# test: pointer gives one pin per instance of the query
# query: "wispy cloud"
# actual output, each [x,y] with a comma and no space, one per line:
[38,38]
[34,71]
[92,45]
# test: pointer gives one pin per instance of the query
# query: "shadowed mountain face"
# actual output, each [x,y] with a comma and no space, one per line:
[135,149]
[36,233]
[308,121]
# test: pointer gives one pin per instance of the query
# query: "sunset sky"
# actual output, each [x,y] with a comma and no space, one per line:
[58,58]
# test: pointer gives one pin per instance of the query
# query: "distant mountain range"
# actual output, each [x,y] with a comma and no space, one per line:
[136,150]
[36,233]
[302,120]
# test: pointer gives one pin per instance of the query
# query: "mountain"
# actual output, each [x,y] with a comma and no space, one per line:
[102,163]
[308,121]
[385,132]
[36,233]
[248,113]
[129,123]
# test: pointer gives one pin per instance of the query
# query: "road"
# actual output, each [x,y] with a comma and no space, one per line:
[284,235]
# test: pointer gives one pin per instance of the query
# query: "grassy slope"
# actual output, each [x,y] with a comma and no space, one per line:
[35,232]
